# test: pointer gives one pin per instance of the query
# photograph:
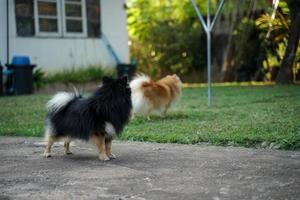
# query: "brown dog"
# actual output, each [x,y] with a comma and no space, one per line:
[148,95]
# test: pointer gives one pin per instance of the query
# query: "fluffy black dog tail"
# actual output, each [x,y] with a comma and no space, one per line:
[60,100]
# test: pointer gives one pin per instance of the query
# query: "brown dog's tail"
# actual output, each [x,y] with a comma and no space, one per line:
[140,81]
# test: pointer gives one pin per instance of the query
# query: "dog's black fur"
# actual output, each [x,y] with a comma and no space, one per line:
[84,117]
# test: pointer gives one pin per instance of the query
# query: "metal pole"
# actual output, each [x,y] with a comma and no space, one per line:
[7,32]
[208,34]
[199,15]
[208,14]
[209,99]
[208,26]
[217,13]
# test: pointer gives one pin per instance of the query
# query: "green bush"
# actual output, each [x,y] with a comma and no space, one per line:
[39,78]
[67,76]
[76,75]
[166,36]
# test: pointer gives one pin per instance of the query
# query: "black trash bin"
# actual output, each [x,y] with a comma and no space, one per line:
[8,81]
[126,70]
[22,75]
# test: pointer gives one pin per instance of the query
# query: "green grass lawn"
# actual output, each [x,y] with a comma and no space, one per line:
[239,116]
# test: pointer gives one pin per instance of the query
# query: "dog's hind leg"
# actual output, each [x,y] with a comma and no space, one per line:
[108,148]
[100,144]
[67,146]
[147,115]
[164,110]
[50,141]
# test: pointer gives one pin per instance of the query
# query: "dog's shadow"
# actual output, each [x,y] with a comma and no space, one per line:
[86,159]
[80,157]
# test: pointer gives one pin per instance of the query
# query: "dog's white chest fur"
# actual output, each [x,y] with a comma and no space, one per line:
[110,129]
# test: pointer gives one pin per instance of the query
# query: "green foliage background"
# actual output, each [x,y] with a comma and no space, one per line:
[166,35]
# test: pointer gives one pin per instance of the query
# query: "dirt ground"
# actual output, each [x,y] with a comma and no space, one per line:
[146,171]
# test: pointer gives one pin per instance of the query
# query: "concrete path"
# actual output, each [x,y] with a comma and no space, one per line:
[146,171]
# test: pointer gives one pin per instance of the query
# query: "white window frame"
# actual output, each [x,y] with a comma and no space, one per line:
[37,16]
[61,20]
[83,19]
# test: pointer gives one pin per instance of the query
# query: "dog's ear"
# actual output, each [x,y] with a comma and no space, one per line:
[106,80]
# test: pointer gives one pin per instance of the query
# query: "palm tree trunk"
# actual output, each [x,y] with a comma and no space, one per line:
[285,75]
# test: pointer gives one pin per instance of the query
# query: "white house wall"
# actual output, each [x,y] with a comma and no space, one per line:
[115,25]
[55,54]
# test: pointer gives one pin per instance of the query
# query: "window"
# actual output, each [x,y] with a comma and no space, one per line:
[73,17]
[47,18]
[58,18]
[93,18]
[24,17]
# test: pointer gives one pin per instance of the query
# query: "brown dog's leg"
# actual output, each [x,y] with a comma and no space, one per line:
[164,110]
[67,146]
[147,115]
[100,144]
[108,148]
[50,142]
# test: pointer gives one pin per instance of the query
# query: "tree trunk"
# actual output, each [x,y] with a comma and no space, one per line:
[285,75]
[227,71]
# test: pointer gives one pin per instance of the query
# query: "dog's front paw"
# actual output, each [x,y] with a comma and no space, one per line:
[112,156]
[68,152]
[47,155]
[103,157]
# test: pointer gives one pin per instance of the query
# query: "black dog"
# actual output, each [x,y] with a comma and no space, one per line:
[97,118]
